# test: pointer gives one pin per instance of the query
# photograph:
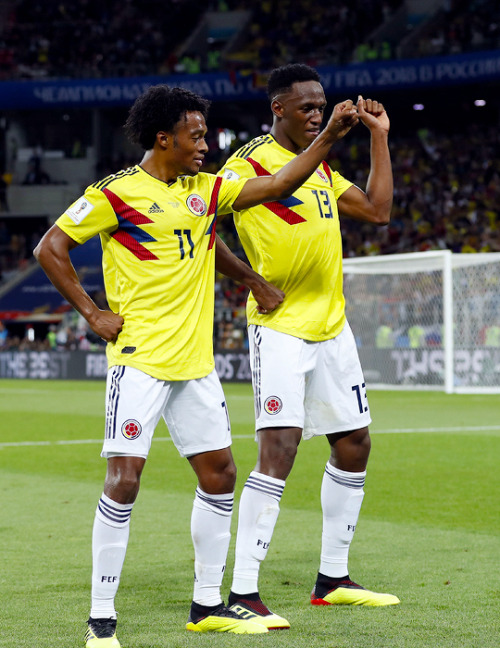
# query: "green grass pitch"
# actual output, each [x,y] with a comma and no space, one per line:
[428,530]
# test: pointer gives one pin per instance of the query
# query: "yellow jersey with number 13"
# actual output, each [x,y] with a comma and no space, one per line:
[294,243]
[159,265]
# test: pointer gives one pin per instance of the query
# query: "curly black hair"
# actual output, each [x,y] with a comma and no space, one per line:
[281,79]
[160,108]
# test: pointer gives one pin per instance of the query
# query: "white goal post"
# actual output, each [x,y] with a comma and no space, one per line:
[427,320]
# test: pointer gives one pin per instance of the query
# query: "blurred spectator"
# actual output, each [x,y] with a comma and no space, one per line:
[35,174]
[384,337]
[52,337]
[3,335]
[4,205]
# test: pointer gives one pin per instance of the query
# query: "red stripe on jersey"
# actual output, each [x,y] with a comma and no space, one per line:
[212,233]
[212,209]
[284,213]
[127,213]
[134,246]
[124,210]
[276,207]
[259,169]
[327,170]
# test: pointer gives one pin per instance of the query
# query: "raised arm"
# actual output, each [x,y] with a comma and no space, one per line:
[267,296]
[375,205]
[52,253]
[288,179]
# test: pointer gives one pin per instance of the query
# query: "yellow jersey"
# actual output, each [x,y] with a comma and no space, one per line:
[158,244]
[294,243]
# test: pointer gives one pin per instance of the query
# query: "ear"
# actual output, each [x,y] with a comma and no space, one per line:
[162,138]
[277,108]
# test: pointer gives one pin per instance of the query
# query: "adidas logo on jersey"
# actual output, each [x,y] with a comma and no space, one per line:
[155,209]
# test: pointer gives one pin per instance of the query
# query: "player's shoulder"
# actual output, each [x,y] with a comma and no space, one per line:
[116,179]
[200,182]
[250,148]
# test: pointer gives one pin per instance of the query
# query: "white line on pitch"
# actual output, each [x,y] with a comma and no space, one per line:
[479,428]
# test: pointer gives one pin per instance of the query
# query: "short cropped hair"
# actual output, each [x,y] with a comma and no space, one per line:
[161,108]
[281,79]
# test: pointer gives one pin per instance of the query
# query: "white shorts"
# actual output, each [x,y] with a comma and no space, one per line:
[195,412]
[316,386]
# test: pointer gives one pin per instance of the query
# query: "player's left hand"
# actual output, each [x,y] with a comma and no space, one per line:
[267,296]
[373,115]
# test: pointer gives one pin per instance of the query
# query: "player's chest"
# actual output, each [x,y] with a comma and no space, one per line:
[163,226]
[161,213]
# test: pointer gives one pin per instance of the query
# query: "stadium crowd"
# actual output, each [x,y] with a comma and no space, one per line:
[461,26]
[108,38]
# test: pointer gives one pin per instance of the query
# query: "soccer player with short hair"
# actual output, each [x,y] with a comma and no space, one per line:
[157,224]
[306,372]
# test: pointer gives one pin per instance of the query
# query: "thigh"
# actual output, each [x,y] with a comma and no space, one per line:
[196,415]
[336,398]
[279,364]
[134,404]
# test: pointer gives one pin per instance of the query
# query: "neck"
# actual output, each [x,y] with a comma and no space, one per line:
[283,140]
[153,164]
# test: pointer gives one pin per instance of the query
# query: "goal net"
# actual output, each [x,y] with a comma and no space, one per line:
[427,320]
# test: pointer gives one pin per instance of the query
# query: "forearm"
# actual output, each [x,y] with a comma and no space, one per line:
[59,269]
[293,175]
[288,179]
[380,188]
[267,296]
[231,266]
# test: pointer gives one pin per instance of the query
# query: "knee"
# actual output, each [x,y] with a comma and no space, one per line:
[350,452]
[122,485]
[362,443]
[220,479]
[277,455]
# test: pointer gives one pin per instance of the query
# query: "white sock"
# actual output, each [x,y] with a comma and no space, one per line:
[341,498]
[211,532]
[109,546]
[259,510]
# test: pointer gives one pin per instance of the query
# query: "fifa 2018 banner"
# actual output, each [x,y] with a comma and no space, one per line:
[232,366]
[357,77]
[389,367]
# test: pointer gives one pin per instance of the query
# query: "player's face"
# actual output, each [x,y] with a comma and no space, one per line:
[302,112]
[189,145]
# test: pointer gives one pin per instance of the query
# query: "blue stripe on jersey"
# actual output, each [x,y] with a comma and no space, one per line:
[349,481]
[135,232]
[264,486]
[290,202]
[112,405]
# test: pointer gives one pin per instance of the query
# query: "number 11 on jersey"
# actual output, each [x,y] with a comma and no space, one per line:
[187,234]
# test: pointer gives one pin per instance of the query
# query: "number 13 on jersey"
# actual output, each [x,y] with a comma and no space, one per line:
[323,199]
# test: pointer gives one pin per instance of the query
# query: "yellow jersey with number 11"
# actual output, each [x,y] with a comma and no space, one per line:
[159,265]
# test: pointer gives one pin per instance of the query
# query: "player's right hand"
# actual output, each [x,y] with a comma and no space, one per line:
[267,295]
[107,325]
[343,118]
